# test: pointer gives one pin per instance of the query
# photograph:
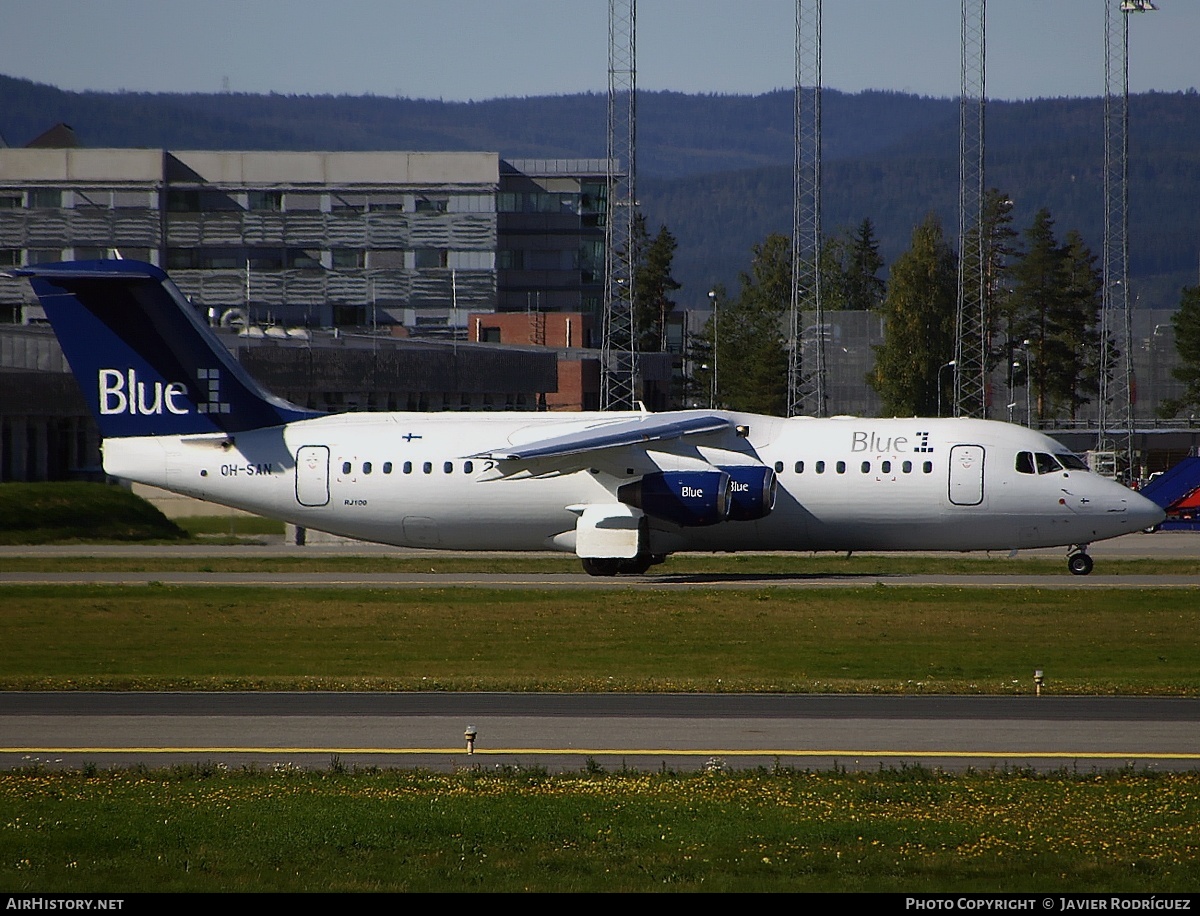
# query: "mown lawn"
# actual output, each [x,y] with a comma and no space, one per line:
[875,639]
[206,829]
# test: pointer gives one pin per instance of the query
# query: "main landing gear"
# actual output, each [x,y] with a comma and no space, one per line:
[1078,560]
[610,566]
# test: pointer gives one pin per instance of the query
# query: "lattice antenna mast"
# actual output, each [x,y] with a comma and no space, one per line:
[973,323]
[806,347]
[618,364]
[1115,419]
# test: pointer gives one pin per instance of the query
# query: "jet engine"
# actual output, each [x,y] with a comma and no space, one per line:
[687,498]
[752,491]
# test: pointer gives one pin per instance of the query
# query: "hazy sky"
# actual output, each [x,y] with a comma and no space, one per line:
[478,49]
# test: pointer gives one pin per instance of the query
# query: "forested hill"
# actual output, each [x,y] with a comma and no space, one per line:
[717,169]
[678,135]
[1046,153]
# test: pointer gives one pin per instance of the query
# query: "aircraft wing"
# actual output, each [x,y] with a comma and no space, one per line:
[559,451]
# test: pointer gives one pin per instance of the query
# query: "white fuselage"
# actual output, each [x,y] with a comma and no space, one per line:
[844,483]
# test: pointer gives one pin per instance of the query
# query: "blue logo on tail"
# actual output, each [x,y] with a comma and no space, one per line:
[117,397]
[214,404]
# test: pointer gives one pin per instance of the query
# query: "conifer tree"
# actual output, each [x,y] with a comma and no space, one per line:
[1186,322]
[850,263]
[653,285]
[1055,305]
[999,249]
[1039,276]
[864,288]
[748,334]
[1075,377]
[920,309]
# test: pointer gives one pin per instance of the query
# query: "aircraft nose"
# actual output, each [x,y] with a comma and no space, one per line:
[1146,514]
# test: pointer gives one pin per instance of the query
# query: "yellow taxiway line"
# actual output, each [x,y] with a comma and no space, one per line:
[613,752]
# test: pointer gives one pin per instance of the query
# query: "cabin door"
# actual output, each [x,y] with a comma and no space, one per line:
[312,475]
[966,475]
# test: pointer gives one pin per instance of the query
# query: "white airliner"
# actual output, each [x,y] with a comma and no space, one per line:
[620,490]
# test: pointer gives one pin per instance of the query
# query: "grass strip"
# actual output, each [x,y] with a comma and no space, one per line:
[869,640]
[45,513]
[203,828]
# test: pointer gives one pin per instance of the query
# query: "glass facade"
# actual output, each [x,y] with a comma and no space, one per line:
[320,239]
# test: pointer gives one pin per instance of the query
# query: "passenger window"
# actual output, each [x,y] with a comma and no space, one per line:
[1024,462]
[886,467]
[820,467]
[448,467]
[841,467]
[468,467]
[927,467]
[799,467]
[866,467]
[778,467]
[427,467]
[408,467]
[387,467]
[906,467]
[366,467]
[345,467]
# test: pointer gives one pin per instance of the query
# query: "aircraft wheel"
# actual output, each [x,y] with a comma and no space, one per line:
[601,566]
[639,564]
[1080,564]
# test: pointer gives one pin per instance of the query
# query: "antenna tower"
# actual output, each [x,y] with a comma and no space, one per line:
[1115,419]
[618,358]
[806,348]
[973,322]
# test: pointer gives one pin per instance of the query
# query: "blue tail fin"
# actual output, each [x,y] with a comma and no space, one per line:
[1176,484]
[147,364]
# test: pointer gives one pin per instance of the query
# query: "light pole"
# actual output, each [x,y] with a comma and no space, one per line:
[1023,349]
[949,365]
[1013,366]
[712,395]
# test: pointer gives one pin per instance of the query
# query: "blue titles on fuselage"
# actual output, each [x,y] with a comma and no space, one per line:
[876,444]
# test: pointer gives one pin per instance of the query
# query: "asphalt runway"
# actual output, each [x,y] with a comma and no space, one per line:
[1163,544]
[1159,544]
[562,732]
[706,581]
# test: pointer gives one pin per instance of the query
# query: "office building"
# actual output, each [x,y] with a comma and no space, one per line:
[317,239]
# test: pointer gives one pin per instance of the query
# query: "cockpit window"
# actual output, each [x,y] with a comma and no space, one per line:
[1047,464]
[1044,463]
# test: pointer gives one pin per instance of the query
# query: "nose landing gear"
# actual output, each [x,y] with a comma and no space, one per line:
[1078,561]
